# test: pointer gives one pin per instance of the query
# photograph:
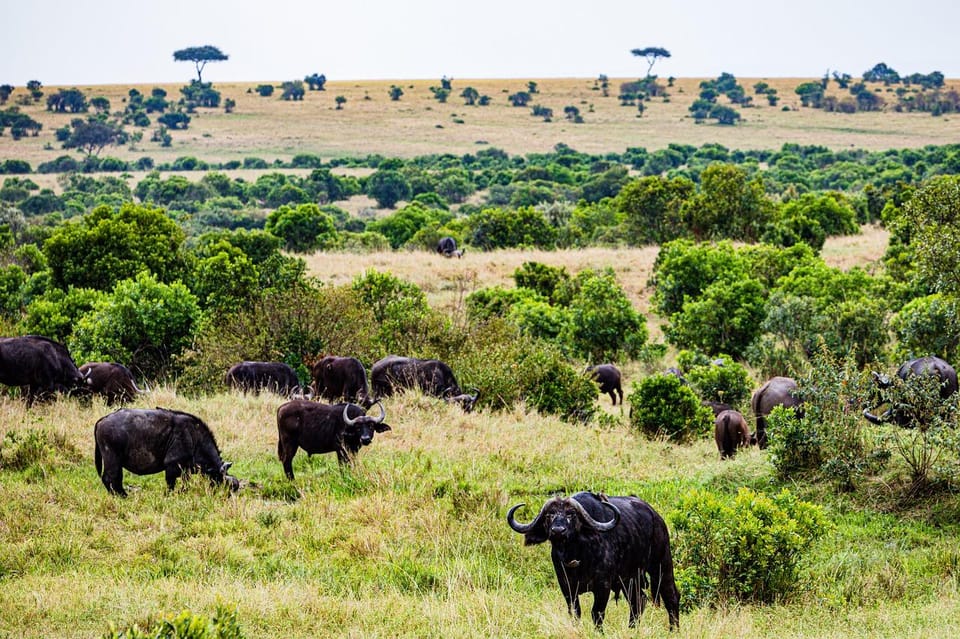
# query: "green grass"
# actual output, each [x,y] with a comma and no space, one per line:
[411,541]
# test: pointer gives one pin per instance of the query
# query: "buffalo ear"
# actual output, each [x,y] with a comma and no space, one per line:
[536,535]
[381,427]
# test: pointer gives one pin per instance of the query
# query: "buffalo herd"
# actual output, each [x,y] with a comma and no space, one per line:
[599,544]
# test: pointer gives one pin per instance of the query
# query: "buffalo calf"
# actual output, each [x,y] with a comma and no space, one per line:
[608,378]
[731,432]
[114,382]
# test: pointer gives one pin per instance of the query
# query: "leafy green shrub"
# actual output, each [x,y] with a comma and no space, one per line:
[55,313]
[746,549]
[603,324]
[508,228]
[542,278]
[142,322]
[303,228]
[539,319]
[402,226]
[725,318]
[662,406]
[34,448]
[719,380]
[186,625]
[496,301]
[928,325]
[796,446]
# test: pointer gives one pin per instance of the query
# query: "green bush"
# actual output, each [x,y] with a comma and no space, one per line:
[719,380]
[542,278]
[746,549]
[55,313]
[725,318]
[663,406]
[186,625]
[508,228]
[303,228]
[496,301]
[603,324]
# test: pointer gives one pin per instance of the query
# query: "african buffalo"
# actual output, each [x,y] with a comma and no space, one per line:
[716,407]
[323,428]
[147,441]
[731,432]
[778,391]
[593,552]
[922,366]
[341,378]
[253,377]
[608,377]
[447,247]
[39,366]
[431,376]
[113,381]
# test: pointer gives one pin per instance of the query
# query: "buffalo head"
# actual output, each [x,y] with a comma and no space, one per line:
[560,519]
[361,429]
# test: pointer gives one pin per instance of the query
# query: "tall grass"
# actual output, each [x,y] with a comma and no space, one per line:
[409,541]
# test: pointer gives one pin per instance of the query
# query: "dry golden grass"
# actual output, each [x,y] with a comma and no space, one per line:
[417,124]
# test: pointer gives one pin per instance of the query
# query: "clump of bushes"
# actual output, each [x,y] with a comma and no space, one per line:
[186,625]
[663,406]
[746,549]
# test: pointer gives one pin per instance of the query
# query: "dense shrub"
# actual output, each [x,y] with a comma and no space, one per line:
[663,406]
[720,379]
[497,301]
[542,278]
[509,228]
[186,625]
[603,324]
[745,549]
[303,228]
[725,318]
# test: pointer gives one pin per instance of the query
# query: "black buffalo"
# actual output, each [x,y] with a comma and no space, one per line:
[447,247]
[39,366]
[324,428]
[609,379]
[778,391]
[921,366]
[601,544]
[147,441]
[253,377]
[730,432]
[341,378]
[431,376]
[113,381]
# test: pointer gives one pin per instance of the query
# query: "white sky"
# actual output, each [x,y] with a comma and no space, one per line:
[83,42]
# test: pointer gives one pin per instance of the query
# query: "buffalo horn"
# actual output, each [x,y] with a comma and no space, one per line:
[525,528]
[383,413]
[601,526]
[346,419]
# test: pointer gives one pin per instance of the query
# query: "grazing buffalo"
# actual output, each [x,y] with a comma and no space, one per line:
[431,376]
[922,366]
[324,428]
[731,432]
[778,391]
[716,407]
[341,378]
[253,377]
[447,247]
[608,377]
[39,366]
[113,381]
[147,441]
[601,544]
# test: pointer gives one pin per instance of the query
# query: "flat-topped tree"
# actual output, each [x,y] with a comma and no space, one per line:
[200,56]
[651,54]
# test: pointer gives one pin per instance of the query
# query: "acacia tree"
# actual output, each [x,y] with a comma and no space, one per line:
[651,54]
[200,56]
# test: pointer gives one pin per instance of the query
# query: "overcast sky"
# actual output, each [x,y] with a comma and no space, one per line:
[131,41]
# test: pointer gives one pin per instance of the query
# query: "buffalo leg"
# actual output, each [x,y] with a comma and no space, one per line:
[600,599]
[286,451]
[613,397]
[112,476]
[172,472]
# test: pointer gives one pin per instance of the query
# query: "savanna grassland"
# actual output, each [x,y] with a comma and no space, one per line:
[411,540]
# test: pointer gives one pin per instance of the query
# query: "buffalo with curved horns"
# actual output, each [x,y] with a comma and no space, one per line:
[431,376]
[253,377]
[921,366]
[605,544]
[778,391]
[324,428]
[341,378]
[39,366]
[147,441]
[609,379]
[113,381]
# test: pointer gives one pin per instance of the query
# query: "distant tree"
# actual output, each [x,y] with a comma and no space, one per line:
[604,82]
[65,100]
[519,99]
[341,100]
[387,187]
[174,120]
[881,73]
[470,96]
[5,91]
[446,83]
[200,56]
[532,87]
[842,79]
[265,90]
[92,134]
[572,113]
[724,114]
[229,105]
[34,87]
[316,82]
[395,92]
[200,94]
[101,104]
[652,54]
[440,93]
[811,94]
[293,90]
